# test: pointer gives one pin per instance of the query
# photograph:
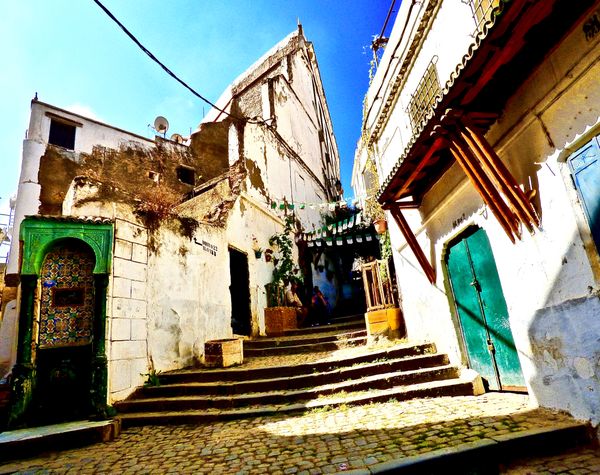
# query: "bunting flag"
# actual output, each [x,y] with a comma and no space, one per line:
[344,202]
[348,240]
[341,227]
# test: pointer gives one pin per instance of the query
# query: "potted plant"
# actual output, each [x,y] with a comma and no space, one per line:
[278,316]
[256,248]
[380,225]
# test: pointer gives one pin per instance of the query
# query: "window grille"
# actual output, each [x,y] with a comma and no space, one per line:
[482,12]
[424,97]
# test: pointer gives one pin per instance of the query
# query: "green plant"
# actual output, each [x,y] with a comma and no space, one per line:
[284,271]
[152,378]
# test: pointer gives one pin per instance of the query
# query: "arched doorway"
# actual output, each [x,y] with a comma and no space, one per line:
[65,332]
[61,368]
[482,312]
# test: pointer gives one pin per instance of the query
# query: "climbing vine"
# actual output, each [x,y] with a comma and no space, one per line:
[285,271]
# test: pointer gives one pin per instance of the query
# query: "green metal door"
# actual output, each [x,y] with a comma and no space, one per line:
[482,311]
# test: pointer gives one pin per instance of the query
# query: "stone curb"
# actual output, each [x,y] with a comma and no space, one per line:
[485,455]
[27,442]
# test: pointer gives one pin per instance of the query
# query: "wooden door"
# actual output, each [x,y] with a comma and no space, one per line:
[482,311]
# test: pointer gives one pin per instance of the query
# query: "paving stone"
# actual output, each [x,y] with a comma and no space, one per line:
[315,442]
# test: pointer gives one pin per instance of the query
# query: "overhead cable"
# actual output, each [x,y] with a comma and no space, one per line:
[166,69]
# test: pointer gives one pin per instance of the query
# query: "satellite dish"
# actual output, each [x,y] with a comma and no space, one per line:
[161,125]
[177,138]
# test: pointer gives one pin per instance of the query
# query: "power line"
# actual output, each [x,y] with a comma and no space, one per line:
[166,69]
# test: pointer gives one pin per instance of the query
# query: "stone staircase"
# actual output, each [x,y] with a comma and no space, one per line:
[342,371]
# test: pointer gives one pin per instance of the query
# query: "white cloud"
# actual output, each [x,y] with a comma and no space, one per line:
[85,111]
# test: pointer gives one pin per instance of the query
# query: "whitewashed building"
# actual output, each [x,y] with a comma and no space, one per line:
[135,252]
[483,120]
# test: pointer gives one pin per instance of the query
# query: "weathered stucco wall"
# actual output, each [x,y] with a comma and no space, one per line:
[549,279]
[100,151]
[169,286]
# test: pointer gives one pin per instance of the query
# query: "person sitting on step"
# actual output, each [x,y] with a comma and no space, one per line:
[292,300]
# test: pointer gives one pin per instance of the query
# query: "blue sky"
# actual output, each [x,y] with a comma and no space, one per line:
[75,57]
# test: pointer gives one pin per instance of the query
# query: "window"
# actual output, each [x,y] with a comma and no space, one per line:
[62,134]
[154,176]
[186,175]
[482,11]
[424,97]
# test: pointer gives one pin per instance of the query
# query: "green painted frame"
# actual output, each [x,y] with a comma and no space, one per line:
[38,234]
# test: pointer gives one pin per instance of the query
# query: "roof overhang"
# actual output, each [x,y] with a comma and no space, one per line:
[500,60]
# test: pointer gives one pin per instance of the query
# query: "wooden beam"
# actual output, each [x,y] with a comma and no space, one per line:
[413,243]
[511,189]
[486,190]
[407,204]
[531,14]
[439,143]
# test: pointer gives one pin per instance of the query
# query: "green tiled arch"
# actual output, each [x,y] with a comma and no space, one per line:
[39,233]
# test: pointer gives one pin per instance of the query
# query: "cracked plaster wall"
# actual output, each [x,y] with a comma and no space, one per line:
[549,279]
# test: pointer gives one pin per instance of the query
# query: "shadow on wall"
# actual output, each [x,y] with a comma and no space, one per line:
[565,344]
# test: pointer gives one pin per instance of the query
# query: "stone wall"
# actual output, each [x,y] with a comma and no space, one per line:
[127,310]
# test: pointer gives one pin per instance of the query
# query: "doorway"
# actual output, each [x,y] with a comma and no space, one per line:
[240,292]
[482,311]
[65,338]
[585,168]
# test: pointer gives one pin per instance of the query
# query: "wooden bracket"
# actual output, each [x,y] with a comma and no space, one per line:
[412,242]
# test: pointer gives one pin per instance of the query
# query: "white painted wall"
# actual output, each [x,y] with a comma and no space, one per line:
[167,295]
[550,279]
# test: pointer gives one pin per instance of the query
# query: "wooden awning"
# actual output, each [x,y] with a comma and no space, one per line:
[524,34]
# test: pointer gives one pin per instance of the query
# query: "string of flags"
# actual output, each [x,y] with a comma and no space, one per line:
[333,229]
[329,205]
[344,232]
[343,240]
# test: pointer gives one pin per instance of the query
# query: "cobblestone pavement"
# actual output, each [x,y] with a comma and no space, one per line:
[585,460]
[321,441]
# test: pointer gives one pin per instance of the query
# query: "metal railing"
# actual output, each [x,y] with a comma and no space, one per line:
[482,12]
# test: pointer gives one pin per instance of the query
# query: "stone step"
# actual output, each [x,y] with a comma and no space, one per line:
[466,384]
[305,340]
[283,383]
[368,383]
[241,374]
[358,317]
[305,347]
[344,326]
